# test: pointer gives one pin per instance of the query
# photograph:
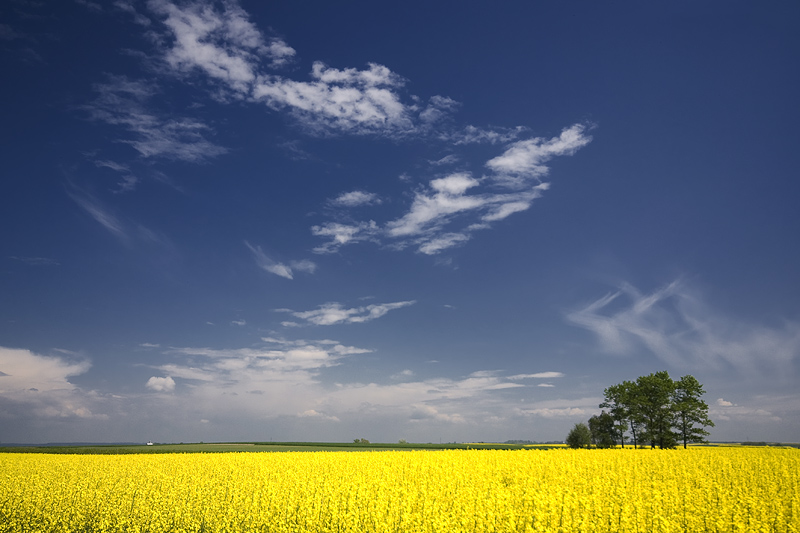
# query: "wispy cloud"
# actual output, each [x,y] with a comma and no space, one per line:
[476,135]
[312,413]
[538,375]
[217,43]
[280,269]
[525,160]
[127,181]
[334,313]
[560,408]
[289,378]
[35,261]
[98,212]
[278,360]
[446,160]
[7,33]
[123,102]
[674,324]
[451,208]
[341,234]
[759,410]
[355,199]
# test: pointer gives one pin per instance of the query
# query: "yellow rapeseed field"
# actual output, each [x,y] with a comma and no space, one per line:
[695,490]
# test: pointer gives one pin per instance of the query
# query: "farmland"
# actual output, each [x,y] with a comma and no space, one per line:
[719,489]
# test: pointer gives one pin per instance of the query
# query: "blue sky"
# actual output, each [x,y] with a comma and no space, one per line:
[426,221]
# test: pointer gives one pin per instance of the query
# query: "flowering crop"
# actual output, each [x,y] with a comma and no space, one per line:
[695,490]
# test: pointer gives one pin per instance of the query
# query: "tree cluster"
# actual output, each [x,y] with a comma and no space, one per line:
[655,410]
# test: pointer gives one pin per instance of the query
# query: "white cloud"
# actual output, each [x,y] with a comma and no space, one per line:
[38,386]
[118,167]
[311,413]
[439,107]
[122,102]
[355,199]
[341,234]
[226,47]
[238,322]
[475,135]
[288,378]
[404,374]
[221,43]
[304,265]
[560,408]
[334,313]
[357,102]
[447,240]
[158,384]
[674,324]
[25,370]
[428,210]
[554,413]
[450,201]
[421,412]
[280,269]
[446,160]
[538,375]
[526,159]
[727,411]
[546,385]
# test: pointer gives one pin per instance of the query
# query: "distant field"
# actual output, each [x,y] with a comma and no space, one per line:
[264,447]
[217,447]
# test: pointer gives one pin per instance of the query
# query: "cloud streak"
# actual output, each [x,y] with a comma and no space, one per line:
[280,269]
[674,324]
[123,102]
[99,213]
[355,199]
[333,313]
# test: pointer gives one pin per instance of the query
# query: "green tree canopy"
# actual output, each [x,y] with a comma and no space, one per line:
[655,409]
[691,412]
[579,436]
[603,431]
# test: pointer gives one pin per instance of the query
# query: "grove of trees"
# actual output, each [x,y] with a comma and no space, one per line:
[655,410]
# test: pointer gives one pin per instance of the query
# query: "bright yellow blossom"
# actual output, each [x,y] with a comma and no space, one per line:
[695,490]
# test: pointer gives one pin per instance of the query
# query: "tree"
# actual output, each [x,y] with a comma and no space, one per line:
[614,399]
[651,401]
[689,410]
[602,429]
[579,436]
